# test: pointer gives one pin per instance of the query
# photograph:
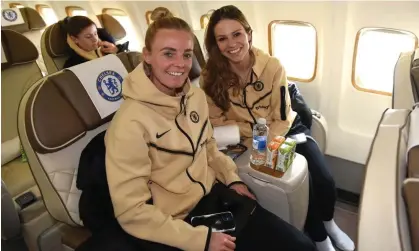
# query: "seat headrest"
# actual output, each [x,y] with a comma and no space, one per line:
[112,26]
[78,106]
[56,40]
[195,70]
[415,74]
[24,20]
[16,49]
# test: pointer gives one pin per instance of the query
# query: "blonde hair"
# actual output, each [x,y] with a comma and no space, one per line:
[164,19]
[160,12]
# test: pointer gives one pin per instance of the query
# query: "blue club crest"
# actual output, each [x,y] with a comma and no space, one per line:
[9,15]
[109,85]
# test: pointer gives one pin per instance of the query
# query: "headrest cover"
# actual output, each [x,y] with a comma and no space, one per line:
[17,49]
[14,19]
[22,20]
[56,40]
[112,26]
[74,111]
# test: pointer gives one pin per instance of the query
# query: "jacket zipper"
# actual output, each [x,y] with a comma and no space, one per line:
[183,109]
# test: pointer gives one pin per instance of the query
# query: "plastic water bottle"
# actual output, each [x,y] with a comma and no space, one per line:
[260,138]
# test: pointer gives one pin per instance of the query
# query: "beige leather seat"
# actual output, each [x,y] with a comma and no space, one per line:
[31,28]
[57,119]
[19,72]
[406,84]
[389,210]
[54,45]
[115,29]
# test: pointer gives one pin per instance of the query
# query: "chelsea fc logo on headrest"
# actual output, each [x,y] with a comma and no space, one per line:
[9,15]
[109,85]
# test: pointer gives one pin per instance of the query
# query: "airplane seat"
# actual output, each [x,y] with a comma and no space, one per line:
[19,72]
[30,23]
[406,80]
[55,49]
[392,179]
[319,130]
[115,29]
[58,116]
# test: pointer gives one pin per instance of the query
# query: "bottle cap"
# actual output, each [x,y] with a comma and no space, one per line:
[261,121]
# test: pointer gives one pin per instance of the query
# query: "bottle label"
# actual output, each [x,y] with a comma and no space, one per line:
[259,143]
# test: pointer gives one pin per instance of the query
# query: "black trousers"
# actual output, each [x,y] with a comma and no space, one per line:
[257,229]
[322,194]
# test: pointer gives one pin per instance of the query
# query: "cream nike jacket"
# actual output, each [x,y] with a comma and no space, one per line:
[265,96]
[161,148]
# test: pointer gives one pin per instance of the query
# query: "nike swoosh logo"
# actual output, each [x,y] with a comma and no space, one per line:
[161,135]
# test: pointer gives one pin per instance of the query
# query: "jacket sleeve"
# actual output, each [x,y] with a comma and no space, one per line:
[217,117]
[128,169]
[280,103]
[224,167]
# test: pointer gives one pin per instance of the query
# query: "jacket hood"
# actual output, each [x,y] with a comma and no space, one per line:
[138,86]
[262,60]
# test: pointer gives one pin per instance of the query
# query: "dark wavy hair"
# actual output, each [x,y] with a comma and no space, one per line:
[217,75]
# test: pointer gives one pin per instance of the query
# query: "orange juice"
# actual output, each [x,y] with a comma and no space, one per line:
[279,139]
[272,154]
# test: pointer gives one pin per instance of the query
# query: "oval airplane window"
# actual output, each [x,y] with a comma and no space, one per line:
[294,43]
[126,22]
[75,11]
[375,56]
[47,13]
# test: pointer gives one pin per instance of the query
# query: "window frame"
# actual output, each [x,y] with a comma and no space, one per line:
[296,23]
[202,20]
[69,9]
[114,12]
[355,53]
[39,8]
[15,5]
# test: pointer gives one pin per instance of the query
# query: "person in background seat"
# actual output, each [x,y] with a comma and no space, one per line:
[87,42]
[242,84]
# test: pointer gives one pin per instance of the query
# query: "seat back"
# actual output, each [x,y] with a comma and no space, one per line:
[58,117]
[112,26]
[18,72]
[390,185]
[406,80]
[31,27]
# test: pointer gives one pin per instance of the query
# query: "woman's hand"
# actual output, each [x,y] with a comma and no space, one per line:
[221,242]
[242,190]
[107,47]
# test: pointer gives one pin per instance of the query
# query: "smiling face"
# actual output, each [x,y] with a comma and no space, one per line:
[170,58]
[232,40]
[87,39]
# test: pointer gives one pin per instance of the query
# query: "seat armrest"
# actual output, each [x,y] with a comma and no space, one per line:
[319,130]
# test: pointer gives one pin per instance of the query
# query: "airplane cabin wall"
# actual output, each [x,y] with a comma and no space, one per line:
[352,115]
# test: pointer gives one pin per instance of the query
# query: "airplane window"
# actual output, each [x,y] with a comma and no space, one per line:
[47,13]
[294,43]
[148,17]
[126,22]
[75,11]
[375,56]
[16,5]
[204,21]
